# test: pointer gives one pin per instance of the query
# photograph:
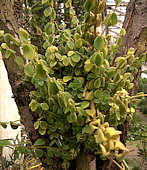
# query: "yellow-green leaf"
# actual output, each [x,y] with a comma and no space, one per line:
[24,34]
[48,11]
[67,78]
[98,59]
[28,51]
[29,70]
[19,60]
[76,58]
[50,28]
[36,124]
[44,106]
[44,2]
[72,117]
[99,42]
[39,142]
[84,104]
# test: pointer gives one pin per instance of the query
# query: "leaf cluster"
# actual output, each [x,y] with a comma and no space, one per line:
[81,90]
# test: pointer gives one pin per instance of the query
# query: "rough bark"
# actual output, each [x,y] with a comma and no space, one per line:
[135,25]
[86,161]
[9,23]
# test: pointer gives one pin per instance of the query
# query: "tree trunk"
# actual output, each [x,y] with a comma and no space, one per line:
[135,25]
[86,161]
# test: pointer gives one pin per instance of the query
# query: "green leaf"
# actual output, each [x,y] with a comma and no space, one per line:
[53,15]
[99,42]
[89,4]
[36,124]
[89,95]
[53,63]
[68,4]
[76,58]
[58,56]
[72,117]
[48,11]
[97,83]
[86,129]
[65,61]
[89,112]
[70,44]
[122,32]
[29,70]
[28,51]
[74,20]
[8,54]
[107,21]
[80,111]
[71,12]
[40,72]
[8,37]
[1,33]
[42,131]
[98,94]
[39,153]
[39,142]
[72,63]
[44,2]
[70,53]
[43,125]
[84,104]
[67,78]
[50,152]
[33,105]
[88,67]
[24,34]
[52,88]
[4,142]
[50,28]
[113,19]
[44,106]
[75,84]
[98,59]
[20,62]
[22,149]
[4,46]
[117,2]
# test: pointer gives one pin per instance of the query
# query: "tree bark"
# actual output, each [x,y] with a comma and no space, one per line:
[135,25]
[20,89]
[86,161]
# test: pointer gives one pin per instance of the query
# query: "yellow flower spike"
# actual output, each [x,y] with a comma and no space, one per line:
[92,106]
[103,128]
[106,125]
[104,152]
[120,146]
[105,143]
[111,145]
[111,132]
[132,110]
[93,128]
[96,122]
[99,137]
